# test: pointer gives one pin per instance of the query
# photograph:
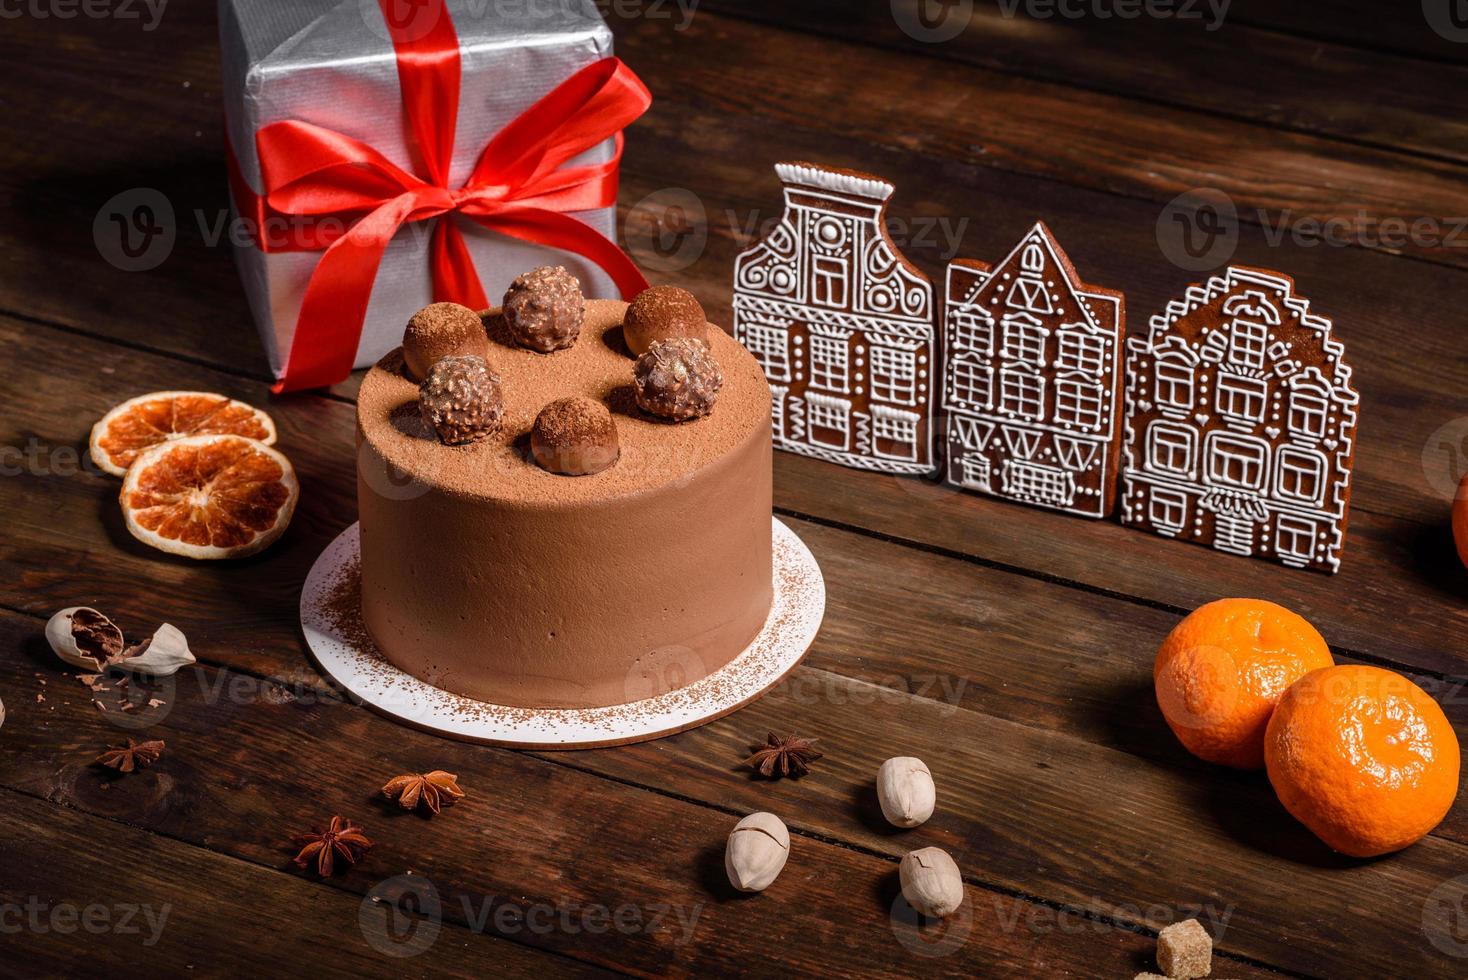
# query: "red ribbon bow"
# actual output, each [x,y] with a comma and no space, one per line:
[518,188]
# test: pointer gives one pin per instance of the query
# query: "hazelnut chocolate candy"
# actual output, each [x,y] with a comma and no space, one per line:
[574,437]
[543,309]
[461,400]
[442,330]
[661,312]
[677,379]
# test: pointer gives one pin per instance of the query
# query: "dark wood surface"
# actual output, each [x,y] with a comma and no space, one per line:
[1010,648]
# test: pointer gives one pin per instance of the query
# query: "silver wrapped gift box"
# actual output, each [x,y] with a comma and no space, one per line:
[331,63]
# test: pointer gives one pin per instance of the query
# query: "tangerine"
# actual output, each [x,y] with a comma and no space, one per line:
[1363,757]
[1221,670]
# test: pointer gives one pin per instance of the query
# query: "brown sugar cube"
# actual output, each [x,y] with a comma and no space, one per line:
[1149,976]
[661,313]
[442,330]
[1185,950]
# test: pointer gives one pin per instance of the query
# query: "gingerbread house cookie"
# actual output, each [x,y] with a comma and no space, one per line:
[842,324]
[1241,423]
[1031,383]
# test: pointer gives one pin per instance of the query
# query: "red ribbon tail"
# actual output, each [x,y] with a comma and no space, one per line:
[557,230]
[329,327]
[455,280]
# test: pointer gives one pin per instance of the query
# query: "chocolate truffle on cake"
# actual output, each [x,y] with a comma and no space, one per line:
[461,400]
[677,379]
[441,330]
[544,308]
[575,437]
[660,312]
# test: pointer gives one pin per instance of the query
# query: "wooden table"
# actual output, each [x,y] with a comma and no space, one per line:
[1009,647]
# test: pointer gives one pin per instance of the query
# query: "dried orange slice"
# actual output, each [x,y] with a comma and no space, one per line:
[141,423]
[212,496]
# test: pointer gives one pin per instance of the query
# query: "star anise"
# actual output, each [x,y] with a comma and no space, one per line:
[131,757]
[434,790]
[342,840]
[784,755]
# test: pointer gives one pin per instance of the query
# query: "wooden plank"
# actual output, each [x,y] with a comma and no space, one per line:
[1412,388]
[89,150]
[83,898]
[61,514]
[1002,659]
[1082,138]
[1195,60]
[245,767]
[1406,29]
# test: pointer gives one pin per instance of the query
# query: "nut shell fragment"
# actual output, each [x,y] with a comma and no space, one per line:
[84,638]
[161,655]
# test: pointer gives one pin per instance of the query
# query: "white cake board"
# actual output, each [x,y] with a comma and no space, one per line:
[340,644]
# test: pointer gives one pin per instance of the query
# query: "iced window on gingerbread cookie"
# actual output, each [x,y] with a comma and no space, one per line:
[1242,398]
[973,330]
[828,281]
[895,432]
[1236,461]
[1081,352]
[975,472]
[829,420]
[770,345]
[1174,384]
[1295,537]
[972,382]
[1169,509]
[829,363]
[1022,393]
[1024,339]
[1309,409]
[1301,474]
[894,374]
[1078,403]
[1030,294]
[1247,344]
[1170,448]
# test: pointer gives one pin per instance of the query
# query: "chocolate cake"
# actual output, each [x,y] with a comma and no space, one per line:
[489,575]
